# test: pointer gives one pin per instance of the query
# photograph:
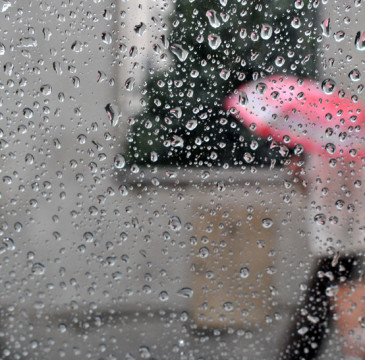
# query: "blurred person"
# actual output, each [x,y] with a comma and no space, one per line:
[327,127]
[337,241]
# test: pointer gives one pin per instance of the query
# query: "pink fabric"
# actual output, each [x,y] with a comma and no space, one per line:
[300,110]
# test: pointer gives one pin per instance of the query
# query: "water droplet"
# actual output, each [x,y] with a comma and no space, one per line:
[340,204]
[279,61]
[174,223]
[225,74]
[266,31]
[313,319]
[18,226]
[243,33]
[332,290]
[242,98]
[57,143]
[254,36]
[46,89]
[330,148]
[140,29]
[179,52]
[154,156]
[213,19]
[113,113]
[248,157]
[360,41]
[2,49]
[117,275]
[47,34]
[214,41]
[254,145]
[244,272]
[320,219]
[129,83]
[29,159]
[221,186]
[9,243]
[275,95]
[28,42]
[339,35]
[38,269]
[228,306]
[191,124]
[8,68]
[186,292]
[328,86]
[325,25]
[261,88]
[88,237]
[204,252]
[177,141]
[28,113]
[303,330]
[299,4]
[123,190]
[355,75]
[57,67]
[106,38]
[362,321]
[267,223]
[77,46]
[119,161]
[82,139]
[5,5]
[296,23]
[177,112]
[75,81]
[133,51]
[163,296]
[298,149]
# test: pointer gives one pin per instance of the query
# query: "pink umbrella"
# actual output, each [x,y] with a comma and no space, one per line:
[301,114]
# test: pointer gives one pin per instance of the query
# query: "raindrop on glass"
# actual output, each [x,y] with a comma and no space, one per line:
[266,31]
[129,83]
[114,113]
[328,86]
[204,252]
[213,19]
[77,46]
[140,29]
[38,269]
[267,223]
[5,5]
[214,41]
[360,41]
[191,124]
[320,219]
[261,88]
[325,25]
[355,75]
[179,52]
[174,223]
[186,292]
[119,161]
[244,272]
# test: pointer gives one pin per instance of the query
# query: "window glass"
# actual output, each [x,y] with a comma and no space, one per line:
[182,179]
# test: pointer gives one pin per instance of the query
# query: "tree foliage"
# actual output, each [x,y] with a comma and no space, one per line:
[214,47]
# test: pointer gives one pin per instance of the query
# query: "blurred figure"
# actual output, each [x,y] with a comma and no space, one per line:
[337,241]
[328,128]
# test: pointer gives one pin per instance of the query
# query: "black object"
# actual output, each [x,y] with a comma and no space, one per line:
[313,315]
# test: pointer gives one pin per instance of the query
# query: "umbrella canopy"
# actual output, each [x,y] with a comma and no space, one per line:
[302,114]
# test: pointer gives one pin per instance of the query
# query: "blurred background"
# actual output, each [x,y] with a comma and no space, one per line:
[132,224]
